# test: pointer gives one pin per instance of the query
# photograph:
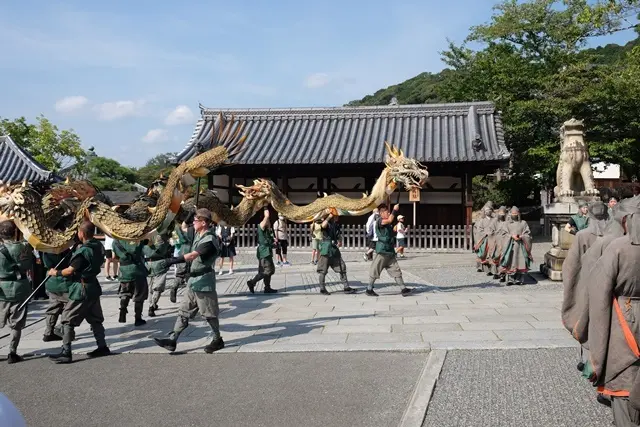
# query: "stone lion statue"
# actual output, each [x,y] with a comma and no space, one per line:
[574,176]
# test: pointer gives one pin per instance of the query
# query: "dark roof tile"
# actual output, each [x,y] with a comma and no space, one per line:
[427,132]
[16,164]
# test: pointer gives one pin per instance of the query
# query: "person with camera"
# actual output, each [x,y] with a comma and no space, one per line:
[227,236]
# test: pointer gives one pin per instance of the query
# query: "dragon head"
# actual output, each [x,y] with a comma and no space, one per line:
[403,170]
[260,192]
[14,197]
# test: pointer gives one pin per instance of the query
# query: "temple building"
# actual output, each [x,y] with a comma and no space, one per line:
[308,151]
[16,164]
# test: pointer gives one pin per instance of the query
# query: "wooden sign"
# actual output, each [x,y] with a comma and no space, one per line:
[414,195]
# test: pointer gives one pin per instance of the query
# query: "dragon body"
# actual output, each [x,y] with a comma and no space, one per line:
[24,205]
[399,171]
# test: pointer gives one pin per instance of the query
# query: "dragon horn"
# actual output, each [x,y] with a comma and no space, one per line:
[67,180]
[24,182]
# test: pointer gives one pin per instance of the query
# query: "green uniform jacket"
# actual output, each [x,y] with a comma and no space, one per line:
[184,240]
[581,221]
[17,263]
[330,236]
[202,277]
[57,284]
[131,260]
[386,238]
[265,243]
[158,250]
[85,283]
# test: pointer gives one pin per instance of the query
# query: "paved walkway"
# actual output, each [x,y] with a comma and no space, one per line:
[452,307]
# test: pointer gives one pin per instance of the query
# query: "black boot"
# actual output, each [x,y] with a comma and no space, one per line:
[215,345]
[252,286]
[138,311]
[324,291]
[152,311]
[270,290]
[63,357]
[173,293]
[166,343]
[14,358]
[51,337]
[123,311]
[99,352]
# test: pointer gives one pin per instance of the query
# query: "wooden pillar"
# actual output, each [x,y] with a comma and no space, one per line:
[467,196]
[285,185]
[210,181]
[230,190]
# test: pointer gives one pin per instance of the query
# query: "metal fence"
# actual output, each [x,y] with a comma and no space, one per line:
[430,238]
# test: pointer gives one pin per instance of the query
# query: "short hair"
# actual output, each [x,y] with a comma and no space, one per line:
[88,229]
[383,208]
[8,230]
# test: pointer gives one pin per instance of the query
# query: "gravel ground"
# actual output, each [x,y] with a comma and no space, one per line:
[301,389]
[514,388]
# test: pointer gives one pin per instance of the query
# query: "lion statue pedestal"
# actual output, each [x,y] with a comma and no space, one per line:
[574,179]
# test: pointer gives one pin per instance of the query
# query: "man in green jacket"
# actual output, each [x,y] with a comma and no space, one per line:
[330,255]
[385,257]
[201,293]
[83,293]
[58,290]
[15,262]
[266,241]
[185,241]
[156,254]
[133,278]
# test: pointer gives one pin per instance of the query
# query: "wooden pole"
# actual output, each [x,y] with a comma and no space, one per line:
[414,213]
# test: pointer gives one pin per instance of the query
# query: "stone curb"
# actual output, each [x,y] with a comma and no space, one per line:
[419,404]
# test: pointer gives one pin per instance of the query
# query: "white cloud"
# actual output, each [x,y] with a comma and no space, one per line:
[156,135]
[71,104]
[119,109]
[180,116]
[317,80]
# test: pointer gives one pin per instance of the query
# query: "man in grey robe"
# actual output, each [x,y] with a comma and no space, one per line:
[614,331]
[572,265]
[516,257]
[500,239]
[484,230]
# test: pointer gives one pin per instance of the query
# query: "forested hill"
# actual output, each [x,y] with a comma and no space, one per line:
[422,89]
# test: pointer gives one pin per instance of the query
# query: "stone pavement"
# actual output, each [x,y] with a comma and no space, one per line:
[452,307]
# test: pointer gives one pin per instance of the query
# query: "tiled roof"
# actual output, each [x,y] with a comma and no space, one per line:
[16,164]
[121,197]
[426,132]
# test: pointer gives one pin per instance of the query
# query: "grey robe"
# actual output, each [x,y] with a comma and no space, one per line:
[574,301]
[516,256]
[614,310]
[612,230]
[484,238]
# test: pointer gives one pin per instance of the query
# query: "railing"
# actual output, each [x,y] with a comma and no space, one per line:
[430,238]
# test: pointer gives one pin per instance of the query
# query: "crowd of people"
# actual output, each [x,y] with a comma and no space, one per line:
[141,268]
[502,244]
[601,301]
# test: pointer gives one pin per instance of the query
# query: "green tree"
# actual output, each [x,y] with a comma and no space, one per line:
[154,168]
[53,148]
[533,65]
[109,175]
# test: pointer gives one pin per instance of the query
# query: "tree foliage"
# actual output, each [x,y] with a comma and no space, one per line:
[53,148]
[531,60]
[160,164]
[109,175]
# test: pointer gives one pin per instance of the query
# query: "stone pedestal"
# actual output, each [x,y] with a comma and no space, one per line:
[558,215]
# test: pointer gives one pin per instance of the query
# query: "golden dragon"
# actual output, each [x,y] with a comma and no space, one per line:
[22,204]
[399,171]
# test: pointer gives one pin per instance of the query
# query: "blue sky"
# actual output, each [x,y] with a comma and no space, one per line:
[127,76]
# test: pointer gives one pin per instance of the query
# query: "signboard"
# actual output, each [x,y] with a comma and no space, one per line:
[414,195]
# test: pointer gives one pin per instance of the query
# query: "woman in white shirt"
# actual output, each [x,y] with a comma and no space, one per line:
[110,259]
[401,236]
